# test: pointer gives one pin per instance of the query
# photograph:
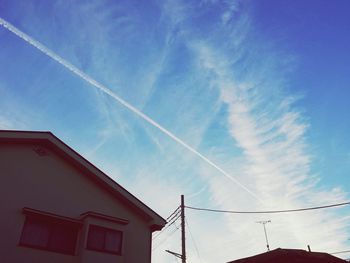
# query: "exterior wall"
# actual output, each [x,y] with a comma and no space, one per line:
[50,184]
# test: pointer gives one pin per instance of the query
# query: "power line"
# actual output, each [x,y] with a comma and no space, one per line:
[268,211]
[171,233]
[194,242]
[175,215]
[173,222]
[170,220]
[167,226]
[176,210]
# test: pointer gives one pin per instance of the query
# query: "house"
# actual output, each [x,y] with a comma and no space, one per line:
[58,207]
[280,255]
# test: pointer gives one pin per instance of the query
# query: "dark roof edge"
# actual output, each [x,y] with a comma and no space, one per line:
[262,256]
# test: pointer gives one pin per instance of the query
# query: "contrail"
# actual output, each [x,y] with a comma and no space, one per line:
[109,92]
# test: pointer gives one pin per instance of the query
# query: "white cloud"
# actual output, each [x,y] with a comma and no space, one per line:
[5,124]
[13,114]
[273,142]
[263,122]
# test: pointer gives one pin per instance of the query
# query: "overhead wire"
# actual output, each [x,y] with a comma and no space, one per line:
[194,242]
[268,211]
[166,227]
[171,219]
[174,215]
[167,237]
[176,210]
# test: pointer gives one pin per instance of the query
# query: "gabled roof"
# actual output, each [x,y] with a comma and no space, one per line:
[49,140]
[281,255]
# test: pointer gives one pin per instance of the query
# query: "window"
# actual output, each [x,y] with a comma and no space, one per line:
[49,234]
[104,240]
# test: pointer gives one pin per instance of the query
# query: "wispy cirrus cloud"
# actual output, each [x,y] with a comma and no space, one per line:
[271,133]
[5,124]
[199,70]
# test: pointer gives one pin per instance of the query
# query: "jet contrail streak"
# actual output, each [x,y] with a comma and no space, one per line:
[109,92]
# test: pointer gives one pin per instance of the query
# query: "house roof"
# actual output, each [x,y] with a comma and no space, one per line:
[49,140]
[281,255]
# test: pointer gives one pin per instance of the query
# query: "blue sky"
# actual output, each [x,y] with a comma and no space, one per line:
[260,88]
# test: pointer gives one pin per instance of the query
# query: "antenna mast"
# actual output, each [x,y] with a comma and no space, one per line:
[264,223]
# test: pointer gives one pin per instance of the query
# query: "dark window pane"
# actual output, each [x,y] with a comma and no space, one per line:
[35,233]
[52,235]
[113,241]
[63,238]
[104,239]
[96,238]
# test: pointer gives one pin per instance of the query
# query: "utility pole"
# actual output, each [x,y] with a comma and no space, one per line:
[183,237]
[267,241]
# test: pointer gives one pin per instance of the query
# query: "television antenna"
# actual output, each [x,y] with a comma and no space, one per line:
[264,222]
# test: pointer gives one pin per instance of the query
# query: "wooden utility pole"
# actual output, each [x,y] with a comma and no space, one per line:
[183,238]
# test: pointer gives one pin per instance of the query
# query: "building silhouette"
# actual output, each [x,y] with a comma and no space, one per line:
[58,207]
[281,255]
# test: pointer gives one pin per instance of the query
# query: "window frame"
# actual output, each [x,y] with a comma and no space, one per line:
[106,230]
[52,222]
